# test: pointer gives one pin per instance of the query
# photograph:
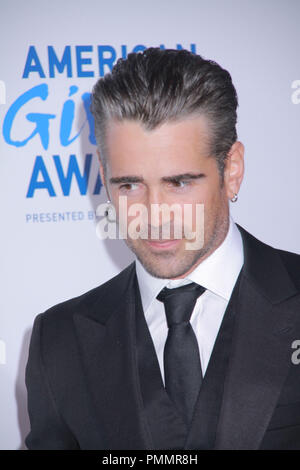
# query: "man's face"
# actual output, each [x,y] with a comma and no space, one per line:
[159,166]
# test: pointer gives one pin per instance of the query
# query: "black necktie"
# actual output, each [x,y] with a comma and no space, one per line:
[182,366]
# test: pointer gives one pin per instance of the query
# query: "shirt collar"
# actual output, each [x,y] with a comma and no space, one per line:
[217,273]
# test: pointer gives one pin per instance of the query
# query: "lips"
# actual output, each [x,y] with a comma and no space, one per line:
[158,240]
[163,244]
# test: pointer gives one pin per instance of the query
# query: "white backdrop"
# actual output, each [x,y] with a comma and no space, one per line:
[52,53]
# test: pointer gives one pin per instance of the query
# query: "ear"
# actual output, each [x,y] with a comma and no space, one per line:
[102,173]
[234,169]
[101,168]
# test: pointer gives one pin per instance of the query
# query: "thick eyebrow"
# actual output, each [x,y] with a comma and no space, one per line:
[183,176]
[126,179]
[140,179]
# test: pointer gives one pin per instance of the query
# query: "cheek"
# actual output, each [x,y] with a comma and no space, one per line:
[202,195]
[212,199]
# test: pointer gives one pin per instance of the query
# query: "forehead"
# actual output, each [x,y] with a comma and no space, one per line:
[191,135]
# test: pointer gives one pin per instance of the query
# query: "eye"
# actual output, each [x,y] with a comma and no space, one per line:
[128,187]
[181,183]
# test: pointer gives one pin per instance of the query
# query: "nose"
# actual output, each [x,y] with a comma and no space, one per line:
[154,197]
[159,217]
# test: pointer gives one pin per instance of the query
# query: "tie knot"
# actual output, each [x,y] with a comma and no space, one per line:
[180,301]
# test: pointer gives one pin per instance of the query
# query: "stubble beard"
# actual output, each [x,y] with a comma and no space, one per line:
[170,264]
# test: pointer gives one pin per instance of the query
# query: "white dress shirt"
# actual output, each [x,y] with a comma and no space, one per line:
[218,274]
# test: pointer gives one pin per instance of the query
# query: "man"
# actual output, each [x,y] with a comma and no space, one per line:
[185,348]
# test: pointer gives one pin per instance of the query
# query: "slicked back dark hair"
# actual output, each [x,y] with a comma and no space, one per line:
[167,85]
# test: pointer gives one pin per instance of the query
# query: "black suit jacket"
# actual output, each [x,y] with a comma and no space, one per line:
[82,380]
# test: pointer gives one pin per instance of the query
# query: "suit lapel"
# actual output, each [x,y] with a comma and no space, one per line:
[259,364]
[261,355]
[109,361]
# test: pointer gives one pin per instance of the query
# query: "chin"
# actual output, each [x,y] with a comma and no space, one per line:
[166,264]
[167,268]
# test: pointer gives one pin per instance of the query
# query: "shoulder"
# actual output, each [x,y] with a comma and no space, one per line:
[269,261]
[85,304]
[292,263]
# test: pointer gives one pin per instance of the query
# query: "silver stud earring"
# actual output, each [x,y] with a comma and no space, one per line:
[109,208]
[234,198]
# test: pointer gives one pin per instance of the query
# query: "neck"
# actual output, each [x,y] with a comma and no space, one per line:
[217,239]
